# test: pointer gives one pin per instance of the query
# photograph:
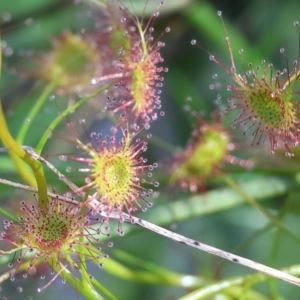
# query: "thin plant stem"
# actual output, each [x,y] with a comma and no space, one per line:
[213,289]
[206,248]
[36,108]
[32,190]
[277,236]
[0,56]
[154,278]
[254,204]
[103,290]
[59,118]
[22,169]
[81,255]
[8,215]
[35,165]
[86,290]
[154,274]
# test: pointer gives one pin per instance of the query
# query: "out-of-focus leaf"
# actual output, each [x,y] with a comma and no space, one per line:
[146,8]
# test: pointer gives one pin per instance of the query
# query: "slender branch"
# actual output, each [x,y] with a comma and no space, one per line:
[256,205]
[206,248]
[35,190]
[63,114]
[36,108]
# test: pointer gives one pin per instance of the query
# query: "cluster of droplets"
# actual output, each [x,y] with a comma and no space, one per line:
[117,171]
[140,91]
[135,55]
[55,236]
[265,98]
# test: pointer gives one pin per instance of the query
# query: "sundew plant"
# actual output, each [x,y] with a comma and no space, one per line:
[149,149]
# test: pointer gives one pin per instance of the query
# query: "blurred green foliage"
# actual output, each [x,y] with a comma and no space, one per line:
[219,217]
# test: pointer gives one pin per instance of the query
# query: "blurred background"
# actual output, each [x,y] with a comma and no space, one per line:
[216,218]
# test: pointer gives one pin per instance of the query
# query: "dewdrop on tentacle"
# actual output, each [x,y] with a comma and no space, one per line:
[58,238]
[266,98]
[117,172]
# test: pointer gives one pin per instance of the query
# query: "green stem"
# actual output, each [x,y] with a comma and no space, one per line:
[203,17]
[8,215]
[81,255]
[272,260]
[103,290]
[71,108]
[36,166]
[166,278]
[36,108]
[242,281]
[223,287]
[22,169]
[0,56]
[86,290]
[273,287]
[142,36]
[155,274]
[253,203]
